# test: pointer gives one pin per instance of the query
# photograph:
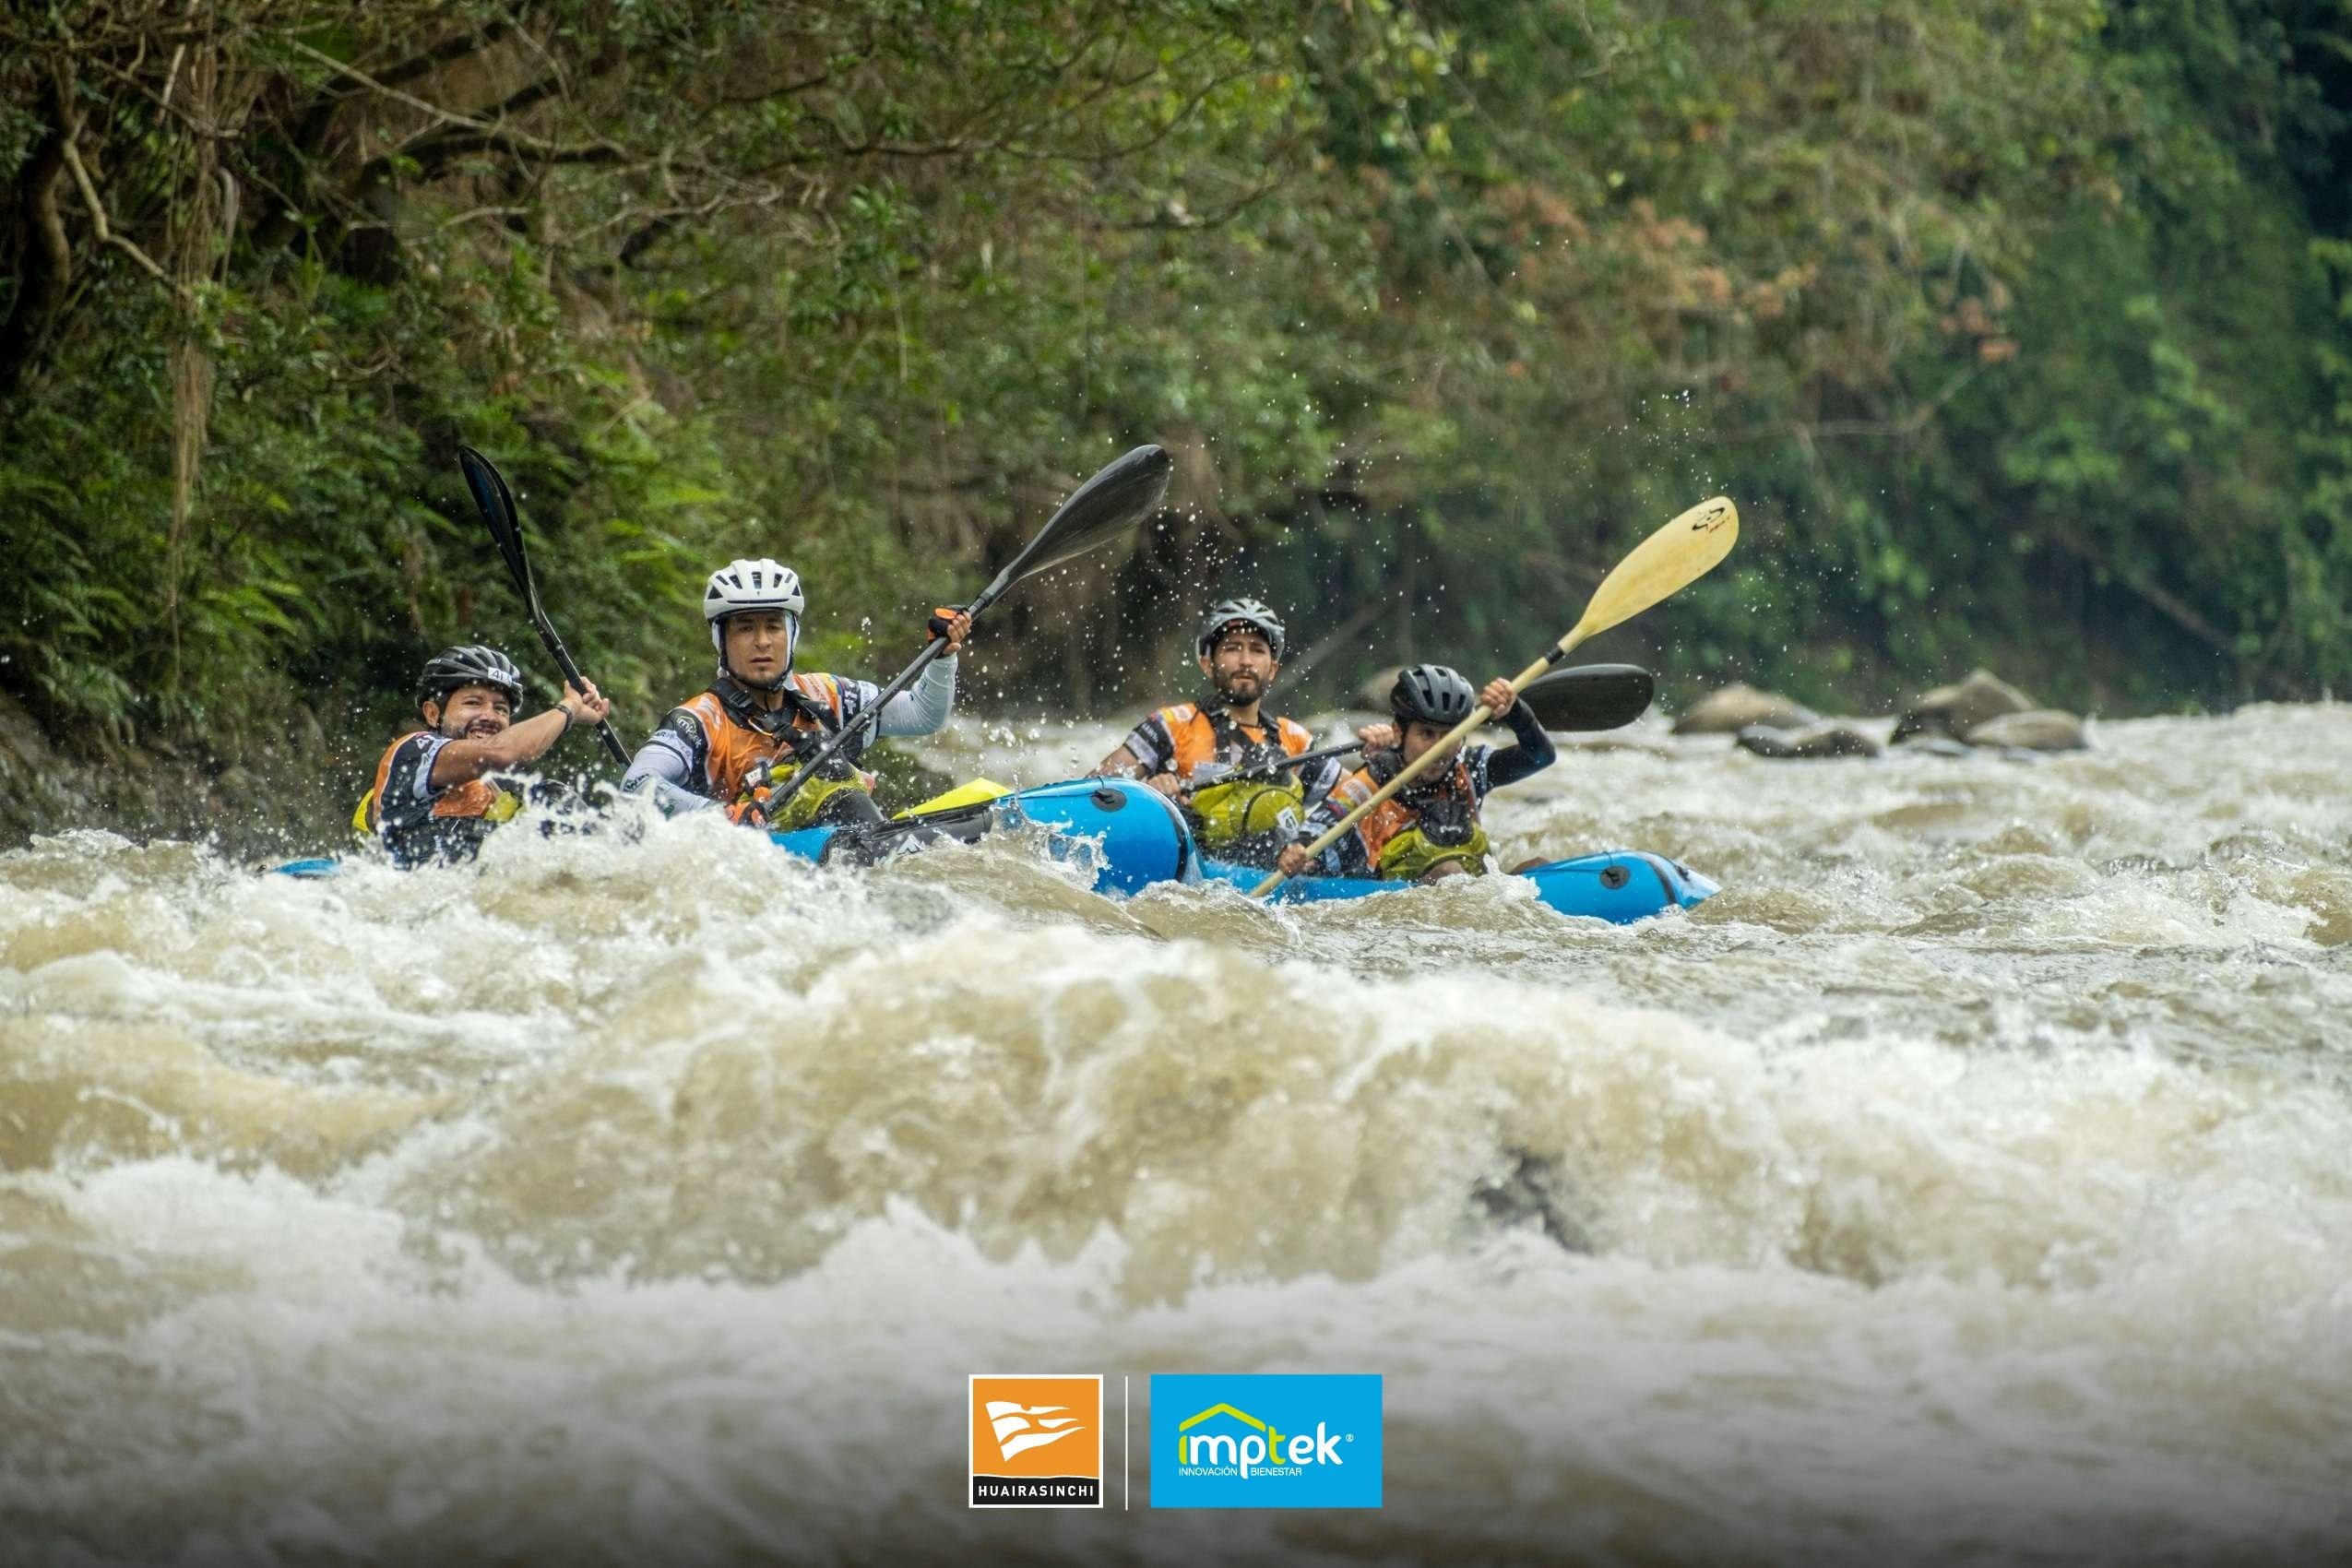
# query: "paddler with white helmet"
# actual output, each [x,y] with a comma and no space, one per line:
[731,746]
[1220,759]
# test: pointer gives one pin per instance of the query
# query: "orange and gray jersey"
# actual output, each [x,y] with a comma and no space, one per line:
[704,748]
[417,822]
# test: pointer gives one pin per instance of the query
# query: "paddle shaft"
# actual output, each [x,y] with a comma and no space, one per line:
[1271,769]
[563,657]
[1566,714]
[1115,499]
[872,713]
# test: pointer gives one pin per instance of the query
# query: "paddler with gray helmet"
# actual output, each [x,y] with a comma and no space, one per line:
[1221,760]
[1430,829]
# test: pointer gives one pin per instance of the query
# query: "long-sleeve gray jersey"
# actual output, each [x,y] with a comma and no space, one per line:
[683,771]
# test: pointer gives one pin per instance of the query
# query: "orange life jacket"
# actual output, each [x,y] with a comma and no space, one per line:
[476,797]
[1451,793]
[739,741]
[1200,736]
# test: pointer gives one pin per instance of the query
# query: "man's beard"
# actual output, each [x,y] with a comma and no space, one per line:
[480,730]
[1230,688]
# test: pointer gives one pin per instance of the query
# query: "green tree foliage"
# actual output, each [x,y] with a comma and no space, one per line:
[2022,331]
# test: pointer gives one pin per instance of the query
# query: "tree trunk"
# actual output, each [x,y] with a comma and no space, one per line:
[38,253]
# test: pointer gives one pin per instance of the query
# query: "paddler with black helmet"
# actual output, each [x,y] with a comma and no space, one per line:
[1430,829]
[1219,760]
[434,796]
[732,745]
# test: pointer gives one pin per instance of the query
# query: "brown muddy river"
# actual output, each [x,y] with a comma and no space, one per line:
[1971,1181]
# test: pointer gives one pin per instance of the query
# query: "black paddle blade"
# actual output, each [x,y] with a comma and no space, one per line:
[1107,505]
[498,511]
[1591,696]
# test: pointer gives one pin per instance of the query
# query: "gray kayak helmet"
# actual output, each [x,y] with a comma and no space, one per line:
[1433,694]
[1241,613]
[471,665]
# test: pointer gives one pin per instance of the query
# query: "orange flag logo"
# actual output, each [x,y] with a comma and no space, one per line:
[1036,1442]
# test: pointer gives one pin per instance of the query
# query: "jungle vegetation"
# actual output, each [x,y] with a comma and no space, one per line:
[2020,329]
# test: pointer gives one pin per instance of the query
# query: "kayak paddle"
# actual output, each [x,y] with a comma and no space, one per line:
[498,511]
[1591,696]
[1668,560]
[1122,494]
[1269,770]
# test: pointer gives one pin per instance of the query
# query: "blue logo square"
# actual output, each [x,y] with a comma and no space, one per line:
[1287,1441]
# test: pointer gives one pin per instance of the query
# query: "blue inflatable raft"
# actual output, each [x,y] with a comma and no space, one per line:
[1133,833]
[1133,836]
[1622,885]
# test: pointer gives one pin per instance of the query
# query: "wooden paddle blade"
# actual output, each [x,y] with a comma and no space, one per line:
[1591,696]
[1668,560]
[1113,500]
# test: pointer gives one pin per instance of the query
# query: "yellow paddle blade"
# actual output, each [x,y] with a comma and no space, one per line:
[1668,560]
[970,794]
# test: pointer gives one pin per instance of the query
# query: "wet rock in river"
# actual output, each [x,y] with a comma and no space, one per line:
[1820,741]
[1740,707]
[2036,730]
[1955,709]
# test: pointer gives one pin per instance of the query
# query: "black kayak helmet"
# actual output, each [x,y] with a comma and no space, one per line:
[473,665]
[1228,613]
[1431,694]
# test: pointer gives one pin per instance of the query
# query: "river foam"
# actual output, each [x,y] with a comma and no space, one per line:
[1972,1181]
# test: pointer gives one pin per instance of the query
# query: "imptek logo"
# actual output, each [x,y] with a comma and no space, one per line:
[1203,1450]
[1265,1442]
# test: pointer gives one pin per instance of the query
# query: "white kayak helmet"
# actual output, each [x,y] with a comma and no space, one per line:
[754,585]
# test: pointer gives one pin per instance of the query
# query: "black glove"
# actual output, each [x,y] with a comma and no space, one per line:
[938,622]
